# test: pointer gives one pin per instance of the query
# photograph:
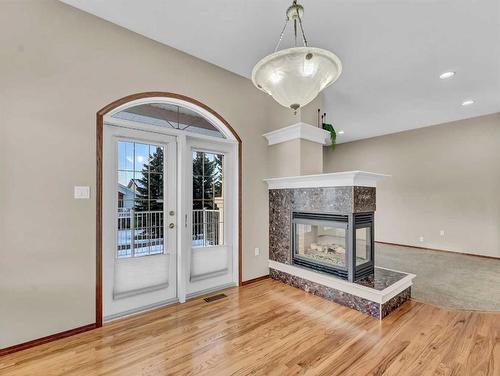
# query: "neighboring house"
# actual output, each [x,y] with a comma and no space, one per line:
[126,195]
[134,184]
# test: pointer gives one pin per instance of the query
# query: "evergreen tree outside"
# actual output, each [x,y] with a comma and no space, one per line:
[207,186]
[149,191]
[207,179]
[149,195]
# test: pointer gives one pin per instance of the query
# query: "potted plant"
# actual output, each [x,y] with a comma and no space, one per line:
[329,127]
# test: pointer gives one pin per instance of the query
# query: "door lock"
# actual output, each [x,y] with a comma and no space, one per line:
[171,225]
[171,213]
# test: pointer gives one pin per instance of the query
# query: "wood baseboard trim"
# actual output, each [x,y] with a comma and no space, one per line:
[258,279]
[439,250]
[40,341]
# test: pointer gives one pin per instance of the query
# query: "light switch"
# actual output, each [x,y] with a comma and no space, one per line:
[82,193]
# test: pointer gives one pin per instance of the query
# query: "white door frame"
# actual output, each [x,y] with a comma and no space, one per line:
[183,227]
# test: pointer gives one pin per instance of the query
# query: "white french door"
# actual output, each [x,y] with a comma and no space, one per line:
[210,251]
[139,220]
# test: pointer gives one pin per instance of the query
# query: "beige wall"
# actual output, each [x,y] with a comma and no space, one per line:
[294,158]
[58,67]
[311,158]
[309,114]
[284,159]
[444,177]
[285,117]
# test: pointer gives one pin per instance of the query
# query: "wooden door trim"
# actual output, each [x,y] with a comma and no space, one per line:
[99,171]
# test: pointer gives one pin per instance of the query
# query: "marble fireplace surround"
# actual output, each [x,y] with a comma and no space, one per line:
[339,193]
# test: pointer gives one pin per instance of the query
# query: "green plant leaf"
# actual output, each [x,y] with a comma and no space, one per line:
[333,134]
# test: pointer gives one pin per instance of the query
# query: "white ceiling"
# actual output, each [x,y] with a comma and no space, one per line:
[392,51]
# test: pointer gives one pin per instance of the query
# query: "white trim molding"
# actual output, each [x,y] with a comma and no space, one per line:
[368,293]
[336,179]
[302,131]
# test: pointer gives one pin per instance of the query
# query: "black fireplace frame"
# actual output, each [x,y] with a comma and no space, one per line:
[351,221]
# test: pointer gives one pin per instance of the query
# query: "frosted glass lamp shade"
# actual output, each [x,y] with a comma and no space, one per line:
[295,76]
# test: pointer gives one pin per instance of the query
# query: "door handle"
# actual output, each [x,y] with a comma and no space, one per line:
[171,225]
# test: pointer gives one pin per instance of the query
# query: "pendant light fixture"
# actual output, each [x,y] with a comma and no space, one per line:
[295,76]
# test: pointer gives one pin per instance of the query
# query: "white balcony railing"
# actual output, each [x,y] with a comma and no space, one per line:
[141,233]
[208,227]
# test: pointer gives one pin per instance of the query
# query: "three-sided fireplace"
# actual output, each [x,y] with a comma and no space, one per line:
[342,245]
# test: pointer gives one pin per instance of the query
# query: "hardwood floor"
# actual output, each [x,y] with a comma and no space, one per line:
[268,328]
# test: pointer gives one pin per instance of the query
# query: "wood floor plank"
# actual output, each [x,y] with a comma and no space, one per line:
[418,335]
[269,328]
[344,359]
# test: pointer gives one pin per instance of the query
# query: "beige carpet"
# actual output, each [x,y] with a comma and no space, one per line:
[446,279]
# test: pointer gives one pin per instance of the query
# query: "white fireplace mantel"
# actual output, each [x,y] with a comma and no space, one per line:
[335,179]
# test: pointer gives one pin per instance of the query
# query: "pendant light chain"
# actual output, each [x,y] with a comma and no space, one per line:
[281,35]
[304,39]
[295,32]
[302,30]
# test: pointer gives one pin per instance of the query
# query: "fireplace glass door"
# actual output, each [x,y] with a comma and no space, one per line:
[321,242]
[338,244]
[363,245]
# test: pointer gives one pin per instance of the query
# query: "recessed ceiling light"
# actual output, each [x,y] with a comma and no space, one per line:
[340,132]
[468,102]
[446,75]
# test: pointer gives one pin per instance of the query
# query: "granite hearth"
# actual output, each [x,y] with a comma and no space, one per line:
[321,239]
[378,303]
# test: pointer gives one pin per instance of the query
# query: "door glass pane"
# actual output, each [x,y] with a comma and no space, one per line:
[208,199]
[140,230]
[126,156]
[363,245]
[141,156]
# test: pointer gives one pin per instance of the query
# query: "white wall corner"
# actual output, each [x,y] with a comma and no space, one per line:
[302,131]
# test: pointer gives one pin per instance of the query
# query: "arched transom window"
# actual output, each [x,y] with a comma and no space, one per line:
[170,116]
